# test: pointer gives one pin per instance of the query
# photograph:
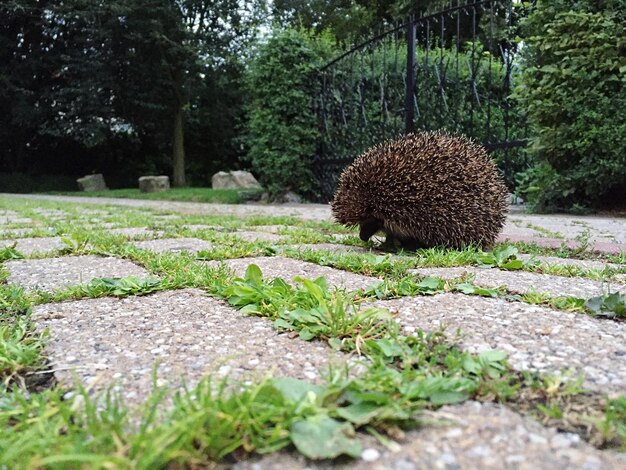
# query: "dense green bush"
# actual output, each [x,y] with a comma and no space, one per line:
[574,94]
[282,129]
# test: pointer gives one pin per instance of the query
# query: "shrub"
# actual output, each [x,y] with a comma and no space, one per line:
[282,129]
[574,95]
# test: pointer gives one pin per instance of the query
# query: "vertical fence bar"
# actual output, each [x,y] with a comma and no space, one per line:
[409,113]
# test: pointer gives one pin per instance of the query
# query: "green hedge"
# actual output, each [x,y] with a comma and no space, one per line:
[282,130]
[574,95]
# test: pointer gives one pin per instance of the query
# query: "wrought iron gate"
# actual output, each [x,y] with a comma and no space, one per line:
[453,69]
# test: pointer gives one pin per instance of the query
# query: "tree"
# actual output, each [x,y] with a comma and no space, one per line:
[96,78]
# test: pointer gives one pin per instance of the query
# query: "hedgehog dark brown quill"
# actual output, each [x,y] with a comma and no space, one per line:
[424,190]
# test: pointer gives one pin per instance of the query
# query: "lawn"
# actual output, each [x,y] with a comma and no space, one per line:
[225,196]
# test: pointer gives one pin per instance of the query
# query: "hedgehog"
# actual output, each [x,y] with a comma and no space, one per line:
[424,190]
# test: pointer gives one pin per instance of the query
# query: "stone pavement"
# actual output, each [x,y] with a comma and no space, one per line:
[117,341]
[604,234]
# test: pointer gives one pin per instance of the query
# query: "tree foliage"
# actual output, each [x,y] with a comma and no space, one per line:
[574,92]
[113,86]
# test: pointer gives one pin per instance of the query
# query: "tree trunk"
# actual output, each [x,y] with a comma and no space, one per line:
[178,150]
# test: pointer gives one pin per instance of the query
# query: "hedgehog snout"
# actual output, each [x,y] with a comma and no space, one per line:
[369,228]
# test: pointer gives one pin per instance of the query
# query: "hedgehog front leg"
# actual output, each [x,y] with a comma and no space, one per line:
[369,228]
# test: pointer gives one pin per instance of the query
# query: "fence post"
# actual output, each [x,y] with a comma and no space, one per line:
[409,113]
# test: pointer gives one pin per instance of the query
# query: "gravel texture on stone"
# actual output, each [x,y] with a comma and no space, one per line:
[17,220]
[469,436]
[192,245]
[50,212]
[287,269]
[253,236]
[533,337]
[598,229]
[195,227]
[29,246]
[521,281]
[132,232]
[334,247]
[189,333]
[516,227]
[581,263]
[55,273]
[267,228]
[14,232]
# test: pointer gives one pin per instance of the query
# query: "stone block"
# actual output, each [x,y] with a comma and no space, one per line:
[234,180]
[92,183]
[154,184]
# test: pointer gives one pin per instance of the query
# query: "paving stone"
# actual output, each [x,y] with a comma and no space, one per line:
[16,220]
[54,214]
[132,232]
[55,273]
[201,227]
[597,228]
[89,211]
[467,436]
[514,226]
[8,213]
[333,247]
[534,337]
[29,246]
[521,281]
[253,236]
[581,263]
[613,248]
[189,333]
[287,269]
[268,228]
[192,245]
[15,232]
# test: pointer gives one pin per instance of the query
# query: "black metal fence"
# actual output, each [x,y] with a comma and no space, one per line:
[454,69]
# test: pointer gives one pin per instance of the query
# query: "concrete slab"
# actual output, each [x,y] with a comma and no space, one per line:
[333,247]
[56,273]
[30,246]
[120,340]
[580,263]
[468,436]
[252,236]
[134,232]
[534,337]
[176,245]
[521,281]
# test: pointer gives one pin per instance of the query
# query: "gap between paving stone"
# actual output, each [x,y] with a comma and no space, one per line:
[163,245]
[533,337]
[468,436]
[56,273]
[189,333]
[287,269]
[29,246]
[521,281]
